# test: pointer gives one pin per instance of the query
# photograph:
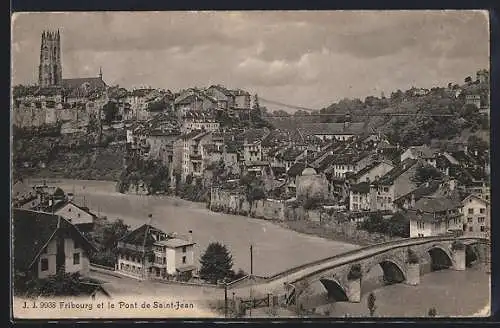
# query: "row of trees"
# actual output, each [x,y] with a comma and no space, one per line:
[398,225]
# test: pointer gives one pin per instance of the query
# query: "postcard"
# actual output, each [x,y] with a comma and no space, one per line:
[250,164]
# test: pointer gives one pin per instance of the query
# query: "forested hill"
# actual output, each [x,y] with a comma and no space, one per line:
[418,128]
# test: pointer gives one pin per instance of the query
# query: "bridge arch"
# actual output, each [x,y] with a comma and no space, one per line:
[440,257]
[335,290]
[394,273]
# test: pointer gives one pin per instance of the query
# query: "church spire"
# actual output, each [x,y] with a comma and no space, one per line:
[100,73]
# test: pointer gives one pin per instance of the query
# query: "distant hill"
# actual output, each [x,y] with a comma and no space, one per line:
[463,121]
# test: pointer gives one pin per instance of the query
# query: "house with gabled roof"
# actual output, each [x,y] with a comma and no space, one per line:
[149,253]
[408,200]
[224,97]
[359,197]
[45,243]
[371,172]
[252,144]
[392,185]
[193,100]
[78,215]
[435,216]
[423,152]
[477,215]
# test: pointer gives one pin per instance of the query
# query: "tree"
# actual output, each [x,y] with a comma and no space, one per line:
[216,263]
[371,304]
[399,226]
[432,312]
[426,173]
[110,233]
[60,284]
[468,80]
[110,111]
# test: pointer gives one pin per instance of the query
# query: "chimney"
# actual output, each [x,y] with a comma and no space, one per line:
[190,236]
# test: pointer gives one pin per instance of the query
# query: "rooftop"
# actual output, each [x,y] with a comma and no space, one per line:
[393,174]
[436,204]
[33,231]
[175,243]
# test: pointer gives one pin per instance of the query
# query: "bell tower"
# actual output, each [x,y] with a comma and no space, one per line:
[50,69]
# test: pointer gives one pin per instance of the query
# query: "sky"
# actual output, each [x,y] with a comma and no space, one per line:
[303,58]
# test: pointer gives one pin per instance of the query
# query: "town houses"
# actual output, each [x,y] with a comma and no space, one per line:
[215,144]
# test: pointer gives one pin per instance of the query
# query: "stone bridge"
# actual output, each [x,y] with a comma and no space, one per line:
[402,261]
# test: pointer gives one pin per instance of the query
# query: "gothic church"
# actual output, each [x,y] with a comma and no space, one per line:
[50,71]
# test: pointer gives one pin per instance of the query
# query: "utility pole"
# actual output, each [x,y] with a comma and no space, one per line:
[225,300]
[251,260]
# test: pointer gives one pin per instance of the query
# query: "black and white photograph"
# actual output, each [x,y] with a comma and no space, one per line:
[250,164]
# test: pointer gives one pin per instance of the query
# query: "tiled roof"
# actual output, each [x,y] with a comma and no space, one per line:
[349,157]
[307,129]
[437,204]
[422,191]
[393,174]
[175,243]
[290,154]
[423,151]
[362,188]
[33,231]
[366,169]
[59,205]
[137,236]
[296,169]
[95,83]
[222,89]
[254,135]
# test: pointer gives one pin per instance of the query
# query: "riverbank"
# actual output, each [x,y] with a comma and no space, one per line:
[275,248]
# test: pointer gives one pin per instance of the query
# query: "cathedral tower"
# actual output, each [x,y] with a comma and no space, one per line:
[50,69]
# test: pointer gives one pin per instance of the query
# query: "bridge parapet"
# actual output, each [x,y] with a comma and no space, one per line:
[393,257]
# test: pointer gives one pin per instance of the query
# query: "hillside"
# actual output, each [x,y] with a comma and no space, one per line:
[420,126]
[65,157]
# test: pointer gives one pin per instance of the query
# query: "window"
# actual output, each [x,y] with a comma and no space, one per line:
[78,214]
[482,210]
[469,220]
[470,229]
[44,250]
[471,211]
[76,258]
[184,249]
[386,189]
[482,228]
[127,257]
[183,260]
[480,219]
[44,264]
[69,209]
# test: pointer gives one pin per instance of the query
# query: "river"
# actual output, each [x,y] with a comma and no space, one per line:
[275,248]
[452,293]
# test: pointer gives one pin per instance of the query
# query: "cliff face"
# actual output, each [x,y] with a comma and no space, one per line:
[51,157]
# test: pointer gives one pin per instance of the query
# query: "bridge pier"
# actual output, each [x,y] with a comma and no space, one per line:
[353,290]
[458,259]
[413,274]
